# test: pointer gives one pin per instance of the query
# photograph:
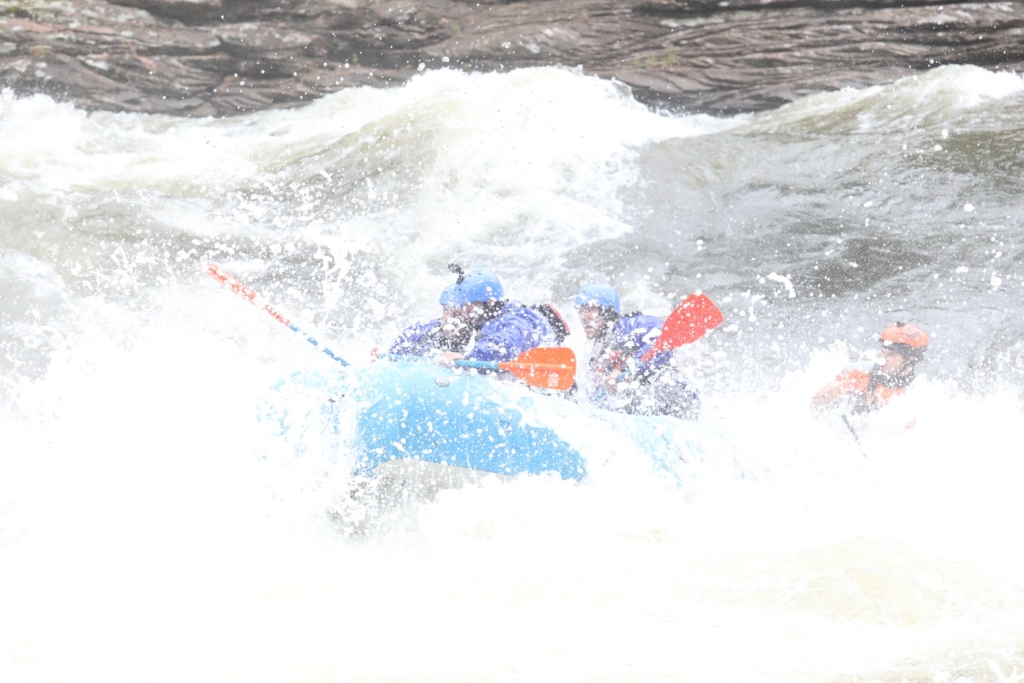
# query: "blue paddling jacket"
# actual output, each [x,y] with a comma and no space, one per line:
[655,387]
[629,339]
[513,329]
[420,339]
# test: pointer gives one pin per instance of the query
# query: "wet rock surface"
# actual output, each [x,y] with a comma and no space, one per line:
[223,57]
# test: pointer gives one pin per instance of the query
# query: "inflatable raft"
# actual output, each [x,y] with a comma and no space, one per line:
[419,411]
[442,427]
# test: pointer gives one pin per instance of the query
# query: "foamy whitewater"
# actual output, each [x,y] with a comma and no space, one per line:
[154,528]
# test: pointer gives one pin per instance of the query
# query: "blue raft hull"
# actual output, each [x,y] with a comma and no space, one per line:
[421,421]
[426,413]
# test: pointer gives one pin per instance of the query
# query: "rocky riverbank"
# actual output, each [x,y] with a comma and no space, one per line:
[222,57]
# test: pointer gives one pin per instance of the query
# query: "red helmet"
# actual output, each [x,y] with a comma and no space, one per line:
[906,339]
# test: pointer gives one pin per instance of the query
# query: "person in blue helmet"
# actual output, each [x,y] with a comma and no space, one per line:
[437,336]
[619,378]
[479,323]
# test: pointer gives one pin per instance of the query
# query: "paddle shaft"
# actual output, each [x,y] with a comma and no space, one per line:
[541,367]
[853,432]
[236,286]
[507,366]
[479,364]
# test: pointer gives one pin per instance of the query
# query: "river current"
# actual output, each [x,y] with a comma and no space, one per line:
[153,528]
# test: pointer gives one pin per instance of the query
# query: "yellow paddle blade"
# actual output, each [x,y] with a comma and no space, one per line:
[545,367]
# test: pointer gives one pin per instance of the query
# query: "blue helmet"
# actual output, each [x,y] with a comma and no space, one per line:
[598,295]
[449,296]
[477,287]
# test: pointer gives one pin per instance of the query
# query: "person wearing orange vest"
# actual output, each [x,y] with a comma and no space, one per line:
[857,391]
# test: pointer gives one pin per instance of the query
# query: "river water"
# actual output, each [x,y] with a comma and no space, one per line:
[153,528]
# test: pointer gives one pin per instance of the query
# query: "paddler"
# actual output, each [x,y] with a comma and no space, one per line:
[619,378]
[859,390]
[479,323]
[434,337]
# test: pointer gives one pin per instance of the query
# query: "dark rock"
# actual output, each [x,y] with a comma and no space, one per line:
[213,57]
[188,11]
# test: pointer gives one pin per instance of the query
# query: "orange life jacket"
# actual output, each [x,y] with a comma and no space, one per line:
[868,390]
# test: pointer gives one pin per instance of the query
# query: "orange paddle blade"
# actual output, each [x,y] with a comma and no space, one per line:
[688,323]
[545,367]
